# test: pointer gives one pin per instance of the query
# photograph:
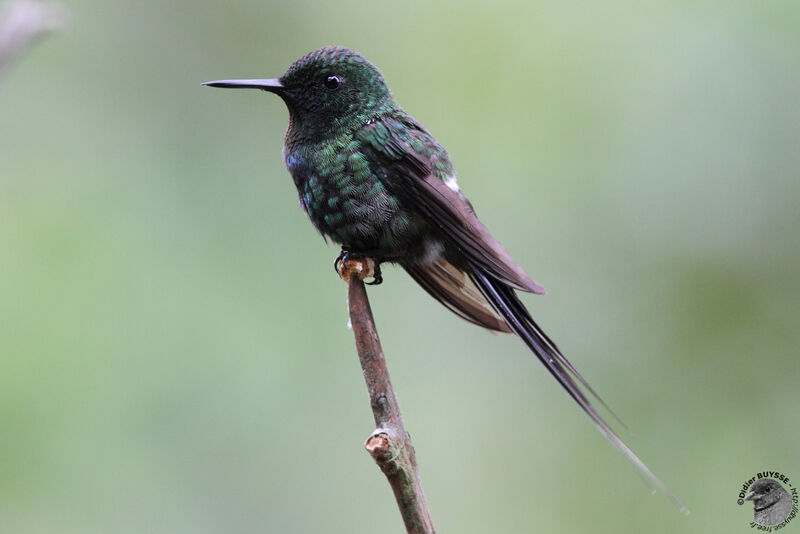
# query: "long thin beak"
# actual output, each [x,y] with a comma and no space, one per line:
[273,85]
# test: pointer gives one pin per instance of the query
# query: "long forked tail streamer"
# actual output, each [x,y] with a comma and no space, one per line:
[505,301]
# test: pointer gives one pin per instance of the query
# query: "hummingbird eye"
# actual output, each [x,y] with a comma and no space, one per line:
[332,83]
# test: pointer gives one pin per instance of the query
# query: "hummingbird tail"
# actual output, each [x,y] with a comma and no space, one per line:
[456,291]
[506,303]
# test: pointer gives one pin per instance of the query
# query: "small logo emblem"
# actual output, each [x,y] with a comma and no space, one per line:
[775,500]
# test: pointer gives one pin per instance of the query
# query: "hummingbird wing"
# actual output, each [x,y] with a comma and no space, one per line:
[390,142]
[408,155]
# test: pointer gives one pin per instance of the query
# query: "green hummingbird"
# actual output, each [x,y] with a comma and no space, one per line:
[374,180]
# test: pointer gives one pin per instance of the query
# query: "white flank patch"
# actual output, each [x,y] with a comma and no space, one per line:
[433,251]
[452,184]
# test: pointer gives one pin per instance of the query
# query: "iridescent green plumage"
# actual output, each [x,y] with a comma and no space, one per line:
[373,179]
[346,190]
[331,132]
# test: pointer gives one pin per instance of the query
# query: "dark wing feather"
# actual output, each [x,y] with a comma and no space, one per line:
[410,177]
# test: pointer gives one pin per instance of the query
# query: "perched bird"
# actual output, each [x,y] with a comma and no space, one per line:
[373,179]
[771,502]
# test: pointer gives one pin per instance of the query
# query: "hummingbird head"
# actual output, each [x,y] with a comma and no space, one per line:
[327,91]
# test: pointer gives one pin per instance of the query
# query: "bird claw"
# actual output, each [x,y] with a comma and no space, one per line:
[348,264]
[339,262]
[377,279]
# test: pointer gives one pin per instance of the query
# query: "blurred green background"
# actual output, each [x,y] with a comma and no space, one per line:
[174,355]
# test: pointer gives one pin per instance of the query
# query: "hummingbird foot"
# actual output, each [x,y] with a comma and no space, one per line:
[377,279]
[348,264]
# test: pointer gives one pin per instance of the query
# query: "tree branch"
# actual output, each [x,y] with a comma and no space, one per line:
[389,445]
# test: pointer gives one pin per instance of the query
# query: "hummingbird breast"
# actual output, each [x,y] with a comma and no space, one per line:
[346,199]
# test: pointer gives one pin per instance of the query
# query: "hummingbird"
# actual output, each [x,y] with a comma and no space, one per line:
[374,180]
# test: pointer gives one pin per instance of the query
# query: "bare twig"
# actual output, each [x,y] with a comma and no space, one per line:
[21,21]
[389,445]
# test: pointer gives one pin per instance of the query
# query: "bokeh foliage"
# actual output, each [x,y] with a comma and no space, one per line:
[174,355]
